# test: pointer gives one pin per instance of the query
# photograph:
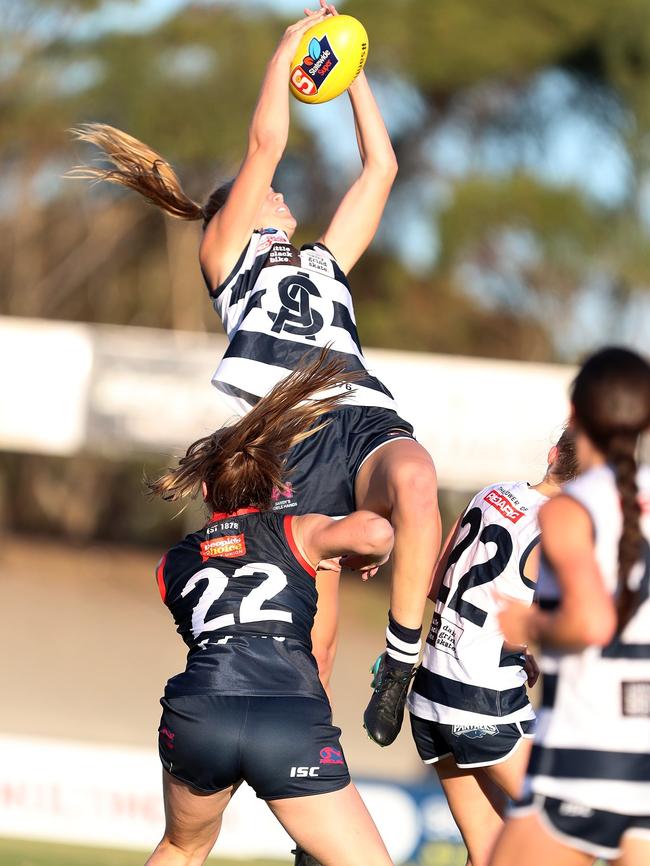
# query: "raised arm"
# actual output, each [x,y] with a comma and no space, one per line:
[229,230]
[357,218]
[363,539]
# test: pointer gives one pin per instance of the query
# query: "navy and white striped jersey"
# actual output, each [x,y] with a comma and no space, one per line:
[467,677]
[279,303]
[243,600]
[593,741]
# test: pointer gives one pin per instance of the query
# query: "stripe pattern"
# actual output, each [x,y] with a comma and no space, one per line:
[467,675]
[279,306]
[593,741]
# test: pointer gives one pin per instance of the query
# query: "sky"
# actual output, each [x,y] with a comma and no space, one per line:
[574,150]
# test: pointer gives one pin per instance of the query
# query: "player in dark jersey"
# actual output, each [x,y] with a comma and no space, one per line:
[250,705]
[587,790]
[276,303]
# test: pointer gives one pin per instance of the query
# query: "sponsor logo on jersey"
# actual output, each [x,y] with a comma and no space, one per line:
[282,254]
[636,699]
[499,501]
[296,315]
[268,238]
[317,64]
[474,732]
[302,772]
[226,547]
[444,635]
[283,498]
[315,262]
[328,755]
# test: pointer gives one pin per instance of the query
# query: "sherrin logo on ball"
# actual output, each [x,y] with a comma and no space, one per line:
[330,56]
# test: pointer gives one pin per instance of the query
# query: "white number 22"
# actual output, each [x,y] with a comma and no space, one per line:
[250,609]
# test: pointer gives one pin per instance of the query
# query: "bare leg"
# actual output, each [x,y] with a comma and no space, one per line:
[477,806]
[527,835]
[334,828]
[509,774]
[399,482]
[192,823]
[636,850]
[324,633]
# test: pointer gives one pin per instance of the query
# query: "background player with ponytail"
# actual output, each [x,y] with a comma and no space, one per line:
[241,589]
[587,792]
[276,302]
[470,713]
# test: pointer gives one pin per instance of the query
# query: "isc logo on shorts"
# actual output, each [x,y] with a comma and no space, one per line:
[304,771]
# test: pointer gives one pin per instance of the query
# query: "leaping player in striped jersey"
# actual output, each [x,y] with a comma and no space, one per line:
[470,713]
[587,789]
[278,303]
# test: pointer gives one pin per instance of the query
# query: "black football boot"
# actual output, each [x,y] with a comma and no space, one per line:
[385,712]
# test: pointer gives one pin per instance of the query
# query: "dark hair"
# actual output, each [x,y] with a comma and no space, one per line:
[138,167]
[611,401]
[565,466]
[242,464]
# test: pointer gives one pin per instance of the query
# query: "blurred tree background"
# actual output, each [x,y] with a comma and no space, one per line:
[518,227]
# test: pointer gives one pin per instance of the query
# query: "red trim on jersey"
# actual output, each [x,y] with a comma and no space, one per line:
[288,531]
[220,515]
[160,577]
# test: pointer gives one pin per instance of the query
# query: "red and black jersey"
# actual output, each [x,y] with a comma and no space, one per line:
[243,599]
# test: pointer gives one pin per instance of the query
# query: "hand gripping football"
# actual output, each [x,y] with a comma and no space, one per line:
[330,56]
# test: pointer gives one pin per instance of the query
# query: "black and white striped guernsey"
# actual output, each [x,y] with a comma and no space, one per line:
[467,677]
[593,741]
[279,303]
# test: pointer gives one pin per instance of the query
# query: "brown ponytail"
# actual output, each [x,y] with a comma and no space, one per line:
[138,167]
[242,464]
[565,466]
[611,400]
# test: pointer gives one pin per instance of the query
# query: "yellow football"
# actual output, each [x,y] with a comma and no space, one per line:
[330,56]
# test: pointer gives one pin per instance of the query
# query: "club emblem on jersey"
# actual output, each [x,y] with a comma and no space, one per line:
[328,755]
[296,315]
[226,547]
[474,732]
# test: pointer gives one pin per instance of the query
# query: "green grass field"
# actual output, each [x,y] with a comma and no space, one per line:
[14,852]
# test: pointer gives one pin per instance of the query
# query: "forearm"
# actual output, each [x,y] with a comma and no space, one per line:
[564,629]
[374,143]
[270,123]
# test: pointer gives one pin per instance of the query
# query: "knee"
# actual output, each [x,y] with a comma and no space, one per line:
[170,853]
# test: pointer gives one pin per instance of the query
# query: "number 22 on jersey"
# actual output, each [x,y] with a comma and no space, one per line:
[250,607]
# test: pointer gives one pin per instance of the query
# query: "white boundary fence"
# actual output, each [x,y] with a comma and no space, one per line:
[67,387]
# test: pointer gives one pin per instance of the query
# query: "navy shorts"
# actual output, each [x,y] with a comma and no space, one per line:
[322,469]
[282,746]
[593,831]
[469,745]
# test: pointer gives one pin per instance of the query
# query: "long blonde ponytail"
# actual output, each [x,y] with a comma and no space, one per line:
[138,167]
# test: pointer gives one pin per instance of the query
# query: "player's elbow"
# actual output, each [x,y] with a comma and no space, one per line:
[383,167]
[377,536]
[267,143]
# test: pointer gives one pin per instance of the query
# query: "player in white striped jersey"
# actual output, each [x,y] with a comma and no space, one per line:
[587,791]
[470,713]
[278,303]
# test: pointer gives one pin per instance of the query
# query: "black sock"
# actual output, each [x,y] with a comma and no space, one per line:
[402,645]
